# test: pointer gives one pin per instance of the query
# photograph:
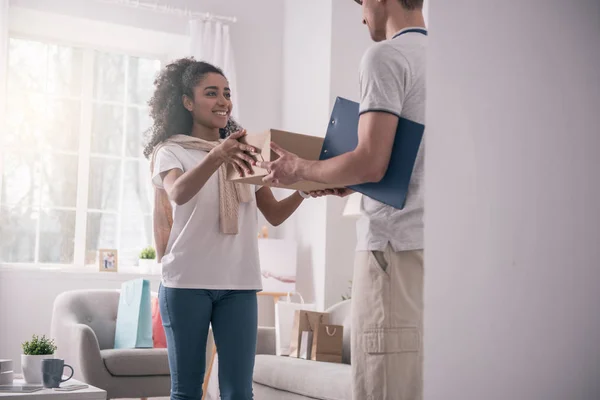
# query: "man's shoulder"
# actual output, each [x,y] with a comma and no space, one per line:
[401,53]
[385,52]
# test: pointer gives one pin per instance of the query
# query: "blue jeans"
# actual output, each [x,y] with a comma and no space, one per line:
[186,315]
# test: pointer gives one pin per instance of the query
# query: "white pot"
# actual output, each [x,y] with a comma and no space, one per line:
[32,368]
[146,266]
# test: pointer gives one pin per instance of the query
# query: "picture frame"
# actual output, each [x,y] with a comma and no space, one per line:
[108,260]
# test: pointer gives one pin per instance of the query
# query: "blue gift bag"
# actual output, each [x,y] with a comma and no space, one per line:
[134,316]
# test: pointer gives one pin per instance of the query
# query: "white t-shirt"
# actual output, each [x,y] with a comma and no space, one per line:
[198,255]
[392,79]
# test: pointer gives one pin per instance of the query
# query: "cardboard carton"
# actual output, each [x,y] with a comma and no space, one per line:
[304,146]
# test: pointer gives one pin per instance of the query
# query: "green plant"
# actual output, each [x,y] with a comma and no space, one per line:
[39,346]
[148,253]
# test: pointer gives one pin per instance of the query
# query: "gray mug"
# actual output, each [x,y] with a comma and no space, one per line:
[52,371]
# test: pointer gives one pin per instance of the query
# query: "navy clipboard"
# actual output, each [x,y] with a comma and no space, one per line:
[342,137]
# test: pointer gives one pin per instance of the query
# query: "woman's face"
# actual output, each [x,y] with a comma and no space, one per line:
[211,105]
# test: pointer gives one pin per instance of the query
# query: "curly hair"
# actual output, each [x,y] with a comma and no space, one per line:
[169,115]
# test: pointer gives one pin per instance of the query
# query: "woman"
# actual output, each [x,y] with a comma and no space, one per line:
[211,272]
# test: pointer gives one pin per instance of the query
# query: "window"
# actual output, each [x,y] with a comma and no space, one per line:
[72,174]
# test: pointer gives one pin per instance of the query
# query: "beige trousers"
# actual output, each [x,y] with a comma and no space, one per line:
[387,325]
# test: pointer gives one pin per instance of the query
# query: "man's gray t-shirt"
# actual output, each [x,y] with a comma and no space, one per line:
[392,79]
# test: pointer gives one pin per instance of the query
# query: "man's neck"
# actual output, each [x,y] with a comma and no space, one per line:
[400,21]
[205,133]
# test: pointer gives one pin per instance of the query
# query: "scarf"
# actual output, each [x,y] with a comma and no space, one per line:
[231,194]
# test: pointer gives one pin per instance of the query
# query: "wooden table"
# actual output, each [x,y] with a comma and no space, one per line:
[276,296]
[89,393]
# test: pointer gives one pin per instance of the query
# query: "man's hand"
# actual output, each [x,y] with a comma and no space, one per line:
[340,192]
[283,171]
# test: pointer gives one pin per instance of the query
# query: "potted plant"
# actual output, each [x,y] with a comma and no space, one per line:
[147,261]
[34,351]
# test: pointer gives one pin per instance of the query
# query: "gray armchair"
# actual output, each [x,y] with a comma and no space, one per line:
[83,326]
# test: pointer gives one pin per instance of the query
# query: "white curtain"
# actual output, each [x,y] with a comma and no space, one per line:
[210,41]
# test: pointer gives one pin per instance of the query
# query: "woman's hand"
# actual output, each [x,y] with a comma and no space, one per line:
[235,153]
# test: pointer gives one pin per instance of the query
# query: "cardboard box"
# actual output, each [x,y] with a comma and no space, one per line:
[304,146]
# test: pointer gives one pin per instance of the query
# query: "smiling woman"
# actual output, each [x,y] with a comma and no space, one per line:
[205,228]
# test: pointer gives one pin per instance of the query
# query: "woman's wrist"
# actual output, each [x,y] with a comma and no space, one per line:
[215,158]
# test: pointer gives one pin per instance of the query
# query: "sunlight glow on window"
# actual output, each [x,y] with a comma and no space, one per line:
[73,178]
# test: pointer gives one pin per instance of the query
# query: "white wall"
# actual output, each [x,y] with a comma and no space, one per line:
[306,65]
[513,201]
[306,77]
[4,4]
[349,40]
[320,64]
[36,24]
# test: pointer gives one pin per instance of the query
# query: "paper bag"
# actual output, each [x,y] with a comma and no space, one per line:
[306,345]
[328,342]
[305,321]
[158,331]
[304,146]
[134,316]
[284,321]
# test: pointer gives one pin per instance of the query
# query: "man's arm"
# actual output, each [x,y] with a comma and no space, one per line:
[383,78]
[367,163]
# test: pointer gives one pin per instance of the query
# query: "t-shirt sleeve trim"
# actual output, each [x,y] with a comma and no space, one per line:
[166,160]
[157,179]
[384,110]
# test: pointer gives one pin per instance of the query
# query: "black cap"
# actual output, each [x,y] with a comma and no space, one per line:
[359,2]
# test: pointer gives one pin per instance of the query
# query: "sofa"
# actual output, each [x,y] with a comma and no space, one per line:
[288,378]
[83,326]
